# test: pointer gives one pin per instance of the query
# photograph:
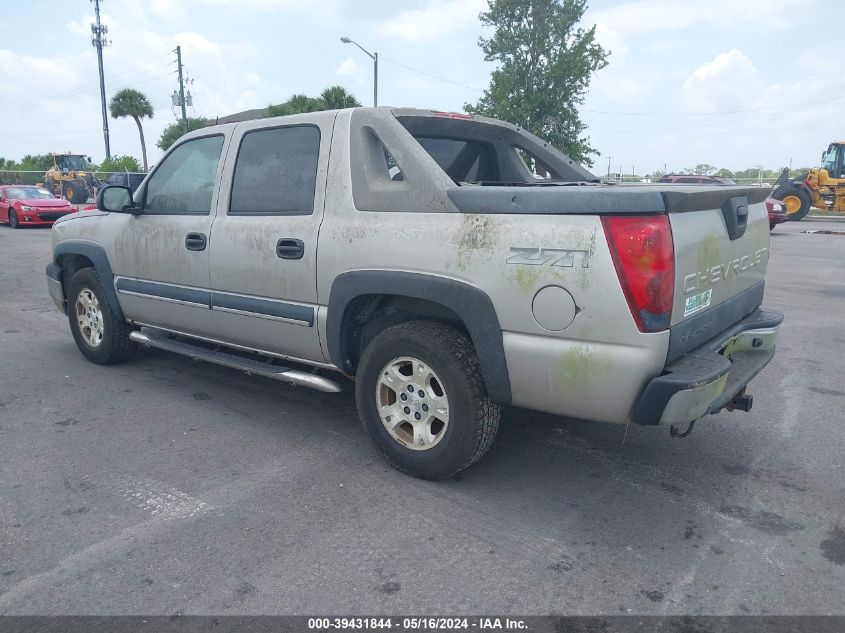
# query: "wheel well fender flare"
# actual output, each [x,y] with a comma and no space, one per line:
[97,254]
[472,305]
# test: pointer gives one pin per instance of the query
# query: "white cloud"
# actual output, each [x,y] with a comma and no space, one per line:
[169,10]
[729,82]
[349,67]
[617,24]
[434,21]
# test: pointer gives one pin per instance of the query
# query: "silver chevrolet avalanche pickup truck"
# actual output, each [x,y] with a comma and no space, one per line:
[450,265]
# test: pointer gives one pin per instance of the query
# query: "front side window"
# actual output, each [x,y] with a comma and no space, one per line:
[276,172]
[184,182]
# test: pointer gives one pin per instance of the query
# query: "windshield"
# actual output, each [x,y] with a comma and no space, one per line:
[829,162]
[28,193]
[71,163]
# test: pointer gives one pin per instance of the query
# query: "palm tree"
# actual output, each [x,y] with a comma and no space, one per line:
[337,98]
[129,102]
[332,98]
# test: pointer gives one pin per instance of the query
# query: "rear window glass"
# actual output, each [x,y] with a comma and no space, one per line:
[276,172]
[463,160]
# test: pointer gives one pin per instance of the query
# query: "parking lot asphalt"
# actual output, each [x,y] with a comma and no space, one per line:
[166,486]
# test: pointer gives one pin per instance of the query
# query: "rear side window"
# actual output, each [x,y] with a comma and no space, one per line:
[276,172]
[184,182]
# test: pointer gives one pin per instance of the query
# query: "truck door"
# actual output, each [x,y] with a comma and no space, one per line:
[264,240]
[160,257]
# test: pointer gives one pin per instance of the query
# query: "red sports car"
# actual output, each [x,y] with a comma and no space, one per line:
[25,204]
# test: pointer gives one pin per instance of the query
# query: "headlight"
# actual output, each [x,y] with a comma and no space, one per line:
[26,209]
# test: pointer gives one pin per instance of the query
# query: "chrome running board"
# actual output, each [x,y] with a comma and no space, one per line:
[267,369]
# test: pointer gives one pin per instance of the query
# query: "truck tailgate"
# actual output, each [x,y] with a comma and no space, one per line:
[721,242]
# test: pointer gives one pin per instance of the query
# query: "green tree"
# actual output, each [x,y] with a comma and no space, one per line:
[724,173]
[297,104]
[119,163]
[36,162]
[332,98]
[174,131]
[131,103]
[545,64]
[337,98]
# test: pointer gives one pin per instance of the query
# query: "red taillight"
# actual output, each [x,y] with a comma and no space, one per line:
[645,263]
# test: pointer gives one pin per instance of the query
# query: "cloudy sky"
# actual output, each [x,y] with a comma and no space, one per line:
[733,83]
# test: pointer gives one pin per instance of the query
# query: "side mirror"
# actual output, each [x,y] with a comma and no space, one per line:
[117,199]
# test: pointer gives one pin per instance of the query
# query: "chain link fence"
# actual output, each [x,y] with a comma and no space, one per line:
[24,177]
[18,177]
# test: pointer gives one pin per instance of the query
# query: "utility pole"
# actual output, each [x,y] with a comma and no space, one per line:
[98,41]
[608,166]
[181,90]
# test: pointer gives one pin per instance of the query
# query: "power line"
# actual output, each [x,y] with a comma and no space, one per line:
[793,106]
[433,76]
[696,127]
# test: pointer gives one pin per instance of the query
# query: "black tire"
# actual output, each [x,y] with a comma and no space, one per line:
[801,195]
[75,192]
[473,418]
[13,219]
[115,345]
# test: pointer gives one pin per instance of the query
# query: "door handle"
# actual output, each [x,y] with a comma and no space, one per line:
[289,248]
[196,241]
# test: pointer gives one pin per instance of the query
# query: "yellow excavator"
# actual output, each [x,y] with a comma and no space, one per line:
[821,188]
[72,176]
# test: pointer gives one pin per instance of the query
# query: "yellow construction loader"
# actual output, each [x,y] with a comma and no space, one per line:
[821,188]
[72,177]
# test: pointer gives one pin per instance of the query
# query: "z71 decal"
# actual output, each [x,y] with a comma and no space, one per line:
[562,257]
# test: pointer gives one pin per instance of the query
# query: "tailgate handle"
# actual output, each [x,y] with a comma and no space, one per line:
[735,212]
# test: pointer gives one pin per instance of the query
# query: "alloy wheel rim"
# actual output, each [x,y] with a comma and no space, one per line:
[412,403]
[89,316]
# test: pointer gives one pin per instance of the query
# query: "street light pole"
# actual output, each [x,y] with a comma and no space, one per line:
[374,57]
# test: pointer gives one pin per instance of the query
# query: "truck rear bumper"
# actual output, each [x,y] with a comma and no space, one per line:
[708,378]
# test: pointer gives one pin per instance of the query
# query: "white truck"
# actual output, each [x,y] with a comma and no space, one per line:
[451,265]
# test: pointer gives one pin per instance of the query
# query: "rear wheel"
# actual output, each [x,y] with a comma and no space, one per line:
[13,219]
[100,333]
[422,401]
[796,200]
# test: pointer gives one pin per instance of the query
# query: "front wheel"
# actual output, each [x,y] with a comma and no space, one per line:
[100,333]
[796,200]
[13,219]
[422,401]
